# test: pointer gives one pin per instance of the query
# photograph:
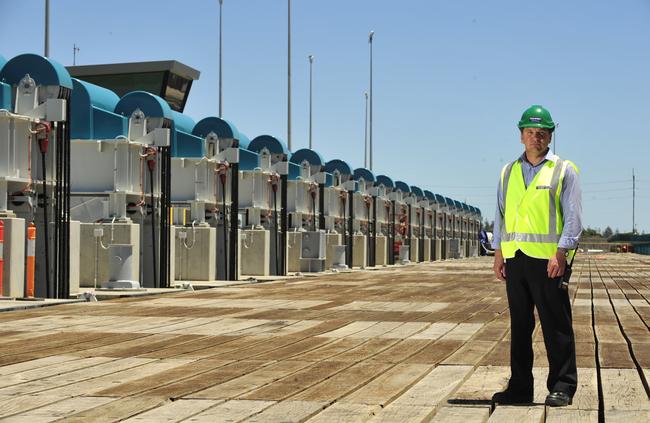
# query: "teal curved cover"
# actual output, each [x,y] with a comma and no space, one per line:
[273,144]
[311,156]
[429,195]
[402,186]
[91,109]
[385,181]
[221,127]
[43,70]
[340,165]
[244,141]
[417,191]
[5,90]
[94,95]
[184,144]
[363,173]
[150,104]
[183,122]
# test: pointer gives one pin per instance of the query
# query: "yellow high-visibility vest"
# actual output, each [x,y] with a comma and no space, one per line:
[533,217]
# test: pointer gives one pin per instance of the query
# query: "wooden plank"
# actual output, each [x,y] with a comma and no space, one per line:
[402,414]
[332,349]
[35,364]
[435,353]
[470,353]
[288,411]
[291,350]
[405,330]
[230,411]
[376,330]
[509,414]
[177,373]
[461,415]
[614,356]
[462,332]
[59,410]
[348,330]
[297,382]
[113,410]
[435,331]
[254,380]
[623,390]
[366,350]
[401,351]
[48,371]
[627,416]
[104,364]
[97,384]
[11,405]
[435,386]
[203,380]
[564,415]
[586,354]
[388,386]
[482,384]
[344,413]
[342,383]
[173,411]
[196,345]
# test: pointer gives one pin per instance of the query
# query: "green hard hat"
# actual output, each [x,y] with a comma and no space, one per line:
[536,116]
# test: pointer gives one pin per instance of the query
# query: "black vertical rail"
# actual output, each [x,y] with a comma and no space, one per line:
[168,223]
[422,234]
[152,203]
[409,232]
[276,247]
[283,224]
[369,233]
[373,244]
[391,247]
[58,209]
[164,267]
[321,206]
[443,236]
[234,223]
[224,224]
[432,248]
[350,229]
[46,229]
[65,282]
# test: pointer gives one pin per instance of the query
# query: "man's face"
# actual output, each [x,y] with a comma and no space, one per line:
[536,140]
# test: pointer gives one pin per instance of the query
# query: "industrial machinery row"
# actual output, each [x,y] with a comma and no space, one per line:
[98,190]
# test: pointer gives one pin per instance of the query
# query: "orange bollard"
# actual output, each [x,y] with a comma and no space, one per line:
[2,261]
[31,258]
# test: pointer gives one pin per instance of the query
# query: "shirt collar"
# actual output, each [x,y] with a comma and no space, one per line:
[550,156]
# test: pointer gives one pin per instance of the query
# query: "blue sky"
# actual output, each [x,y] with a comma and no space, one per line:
[451,79]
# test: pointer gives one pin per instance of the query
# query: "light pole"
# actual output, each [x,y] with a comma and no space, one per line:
[311,62]
[289,74]
[365,135]
[47,29]
[370,36]
[75,49]
[220,60]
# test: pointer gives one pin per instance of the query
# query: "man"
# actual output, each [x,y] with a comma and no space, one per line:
[537,226]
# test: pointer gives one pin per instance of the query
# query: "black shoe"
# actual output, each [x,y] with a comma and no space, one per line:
[509,397]
[558,399]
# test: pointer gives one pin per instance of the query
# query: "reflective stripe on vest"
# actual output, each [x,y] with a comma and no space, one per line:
[528,232]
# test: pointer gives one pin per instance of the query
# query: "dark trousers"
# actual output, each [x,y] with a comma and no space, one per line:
[528,286]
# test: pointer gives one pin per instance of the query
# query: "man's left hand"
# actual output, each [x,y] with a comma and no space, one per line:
[556,265]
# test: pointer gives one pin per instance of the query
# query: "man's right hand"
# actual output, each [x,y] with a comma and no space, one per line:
[499,267]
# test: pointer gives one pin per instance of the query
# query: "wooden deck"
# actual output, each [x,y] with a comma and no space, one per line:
[426,342]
